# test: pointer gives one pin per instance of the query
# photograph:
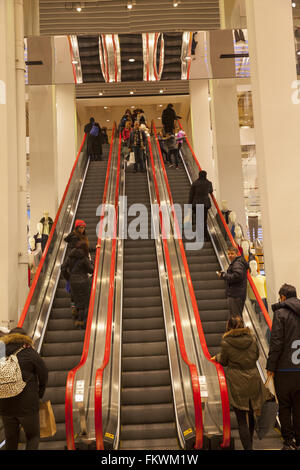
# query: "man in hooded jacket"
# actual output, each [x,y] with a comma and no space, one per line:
[284,364]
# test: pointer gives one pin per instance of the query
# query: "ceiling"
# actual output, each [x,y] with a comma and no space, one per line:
[100,17]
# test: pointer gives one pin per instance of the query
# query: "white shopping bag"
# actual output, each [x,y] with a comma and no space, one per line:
[131,160]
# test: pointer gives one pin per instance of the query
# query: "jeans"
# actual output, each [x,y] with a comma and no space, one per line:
[175,153]
[246,429]
[287,386]
[236,306]
[31,426]
[139,160]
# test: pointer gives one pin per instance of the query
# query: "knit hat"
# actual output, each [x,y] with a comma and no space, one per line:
[80,223]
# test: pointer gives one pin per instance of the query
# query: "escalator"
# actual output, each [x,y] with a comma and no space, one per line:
[147,410]
[208,288]
[62,345]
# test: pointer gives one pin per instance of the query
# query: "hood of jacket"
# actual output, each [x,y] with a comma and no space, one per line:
[240,338]
[293,303]
[17,339]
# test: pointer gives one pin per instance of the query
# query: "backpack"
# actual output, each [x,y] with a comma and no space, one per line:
[94,131]
[11,381]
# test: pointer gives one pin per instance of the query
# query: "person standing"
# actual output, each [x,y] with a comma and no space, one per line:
[137,144]
[236,281]
[95,142]
[168,119]
[239,353]
[172,148]
[87,130]
[199,194]
[283,364]
[23,409]
[75,269]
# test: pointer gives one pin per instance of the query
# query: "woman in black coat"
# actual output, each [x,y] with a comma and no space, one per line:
[76,269]
[23,409]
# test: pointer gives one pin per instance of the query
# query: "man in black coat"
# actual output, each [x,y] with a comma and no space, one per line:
[23,409]
[168,119]
[199,194]
[236,282]
[284,364]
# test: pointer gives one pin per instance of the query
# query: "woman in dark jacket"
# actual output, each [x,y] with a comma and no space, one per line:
[246,392]
[96,143]
[76,269]
[23,409]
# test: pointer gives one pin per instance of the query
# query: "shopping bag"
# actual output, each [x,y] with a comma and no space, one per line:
[266,421]
[47,420]
[131,158]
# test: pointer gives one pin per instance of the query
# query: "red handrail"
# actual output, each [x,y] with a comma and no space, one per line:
[253,287]
[219,368]
[45,252]
[192,367]
[107,350]
[72,373]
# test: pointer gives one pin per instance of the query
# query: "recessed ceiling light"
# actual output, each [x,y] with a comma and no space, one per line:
[132,107]
[107,120]
[131,60]
[160,105]
[75,62]
[131,92]
[161,91]
[175,4]
[294,4]
[100,94]
[159,118]
[129,4]
[105,107]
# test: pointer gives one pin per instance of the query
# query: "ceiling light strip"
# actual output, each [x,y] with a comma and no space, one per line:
[75,59]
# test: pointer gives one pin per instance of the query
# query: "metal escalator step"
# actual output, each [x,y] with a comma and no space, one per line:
[135,257]
[61,313]
[62,362]
[213,339]
[207,267]
[200,276]
[149,431]
[59,412]
[149,265]
[146,302]
[210,294]
[143,323]
[140,336]
[61,324]
[208,284]
[150,444]
[57,378]
[202,259]
[62,336]
[62,303]
[144,292]
[141,396]
[62,349]
[158,348]
[56,395]
[214,315]
[213,350]
[150,378]
[143,414]
[144,312]
[212,304]
[144,363]
[214,327]
[141,244]
[53,445]
[141,283]
[142,274]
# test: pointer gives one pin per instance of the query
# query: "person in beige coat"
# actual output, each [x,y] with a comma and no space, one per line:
[246,392]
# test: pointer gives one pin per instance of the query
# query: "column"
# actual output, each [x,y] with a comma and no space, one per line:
[227,146]
[277,116]
[66,134]
[43,153]
[13,286]
[201,126]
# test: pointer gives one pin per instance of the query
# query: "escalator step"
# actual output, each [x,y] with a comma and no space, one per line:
[148,349]
[62,362]
[151,444]
[144,414]
[210,294]
[149,431]
[62,336]
[150,378]
[145,292]
[62,349]
[144,363]
[135,302]
[56,395]
[145,312]
[146,336]
[143,323]
[141,396]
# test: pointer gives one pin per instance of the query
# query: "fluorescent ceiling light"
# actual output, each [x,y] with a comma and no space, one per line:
[131,60]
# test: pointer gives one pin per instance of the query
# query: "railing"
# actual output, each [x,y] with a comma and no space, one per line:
[72,373]
[219,368]
[107,350]
[253,287]
[39,277]
[192,367]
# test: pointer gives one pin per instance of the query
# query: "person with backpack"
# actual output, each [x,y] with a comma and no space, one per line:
[75,269]
[87,130]
[19,401]
[95,142]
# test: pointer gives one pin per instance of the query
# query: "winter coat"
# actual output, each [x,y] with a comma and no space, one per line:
[34,373]
[72,239]
[239,353]
[76,269]
[284,351]
[168,117]
[136,140]
[236,278]
[199,192]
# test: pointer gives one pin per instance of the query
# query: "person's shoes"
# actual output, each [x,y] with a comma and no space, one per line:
[79,324]
[171,164]
[177,168]
[289,445]
[74,311]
